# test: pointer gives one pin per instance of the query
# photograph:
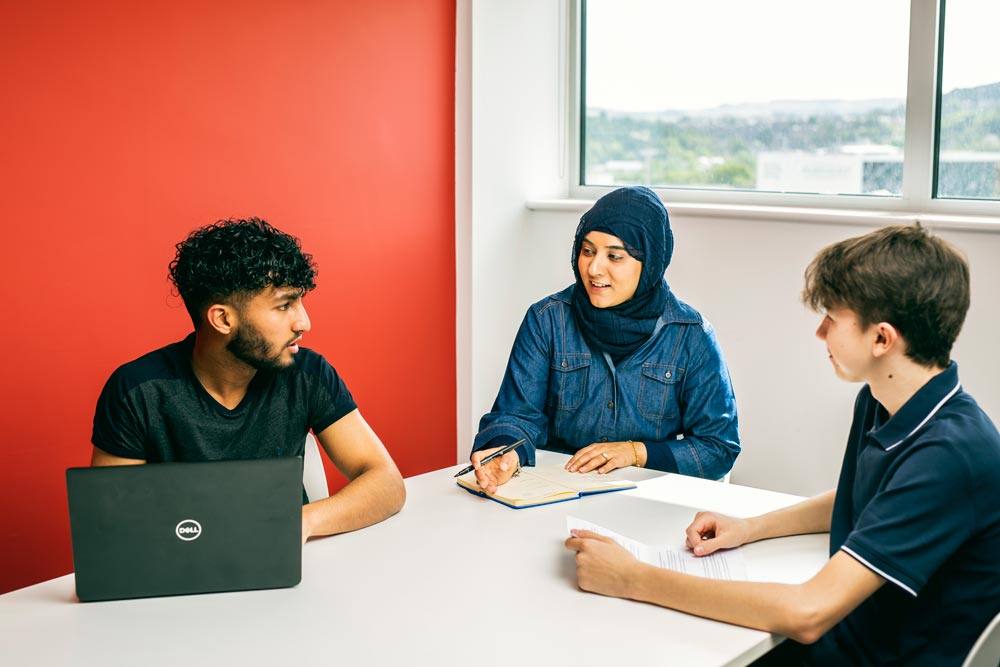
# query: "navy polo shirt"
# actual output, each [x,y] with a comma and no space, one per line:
[918,503]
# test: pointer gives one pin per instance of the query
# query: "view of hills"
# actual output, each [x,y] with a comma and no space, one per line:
[718,147]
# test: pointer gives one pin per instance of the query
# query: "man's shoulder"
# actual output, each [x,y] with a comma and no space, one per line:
[312,370]
[962,423]
[169,362]
[310,362]
[957,450]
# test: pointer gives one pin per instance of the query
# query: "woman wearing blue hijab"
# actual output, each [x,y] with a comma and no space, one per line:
[615,370]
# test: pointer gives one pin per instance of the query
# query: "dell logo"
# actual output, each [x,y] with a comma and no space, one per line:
[188,530]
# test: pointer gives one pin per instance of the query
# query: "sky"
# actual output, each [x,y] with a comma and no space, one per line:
[651,55]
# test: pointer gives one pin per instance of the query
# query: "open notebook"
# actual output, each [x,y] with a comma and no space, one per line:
[543,485]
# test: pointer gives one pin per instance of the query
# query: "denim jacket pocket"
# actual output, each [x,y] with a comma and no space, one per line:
[568,376]
[656,391]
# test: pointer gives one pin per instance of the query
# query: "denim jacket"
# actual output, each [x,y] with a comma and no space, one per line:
[674,393]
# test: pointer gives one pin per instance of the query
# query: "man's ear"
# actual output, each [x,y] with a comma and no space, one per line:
[222,318]
[886,338]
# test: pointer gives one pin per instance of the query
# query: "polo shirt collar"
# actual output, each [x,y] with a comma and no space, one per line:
[918,410]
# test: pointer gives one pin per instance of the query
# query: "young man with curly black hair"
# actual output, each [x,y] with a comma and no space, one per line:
[240,387]
[914,523]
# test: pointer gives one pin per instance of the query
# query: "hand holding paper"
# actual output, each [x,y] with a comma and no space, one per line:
[710,532]
[727,565]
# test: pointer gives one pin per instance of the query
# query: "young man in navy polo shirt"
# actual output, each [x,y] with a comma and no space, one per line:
[914,569]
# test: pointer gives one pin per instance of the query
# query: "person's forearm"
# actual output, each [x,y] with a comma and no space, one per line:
[804,612]
[809,516]
[779,608]
[369,498]
[99,458]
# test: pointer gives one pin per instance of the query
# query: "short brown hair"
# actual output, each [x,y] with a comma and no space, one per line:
[902,275]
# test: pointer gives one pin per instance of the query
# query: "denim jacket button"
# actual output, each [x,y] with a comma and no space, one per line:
[667,373]
[564,363]
[604,439]
[611,404]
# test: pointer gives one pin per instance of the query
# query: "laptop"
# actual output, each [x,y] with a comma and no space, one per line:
[182,528]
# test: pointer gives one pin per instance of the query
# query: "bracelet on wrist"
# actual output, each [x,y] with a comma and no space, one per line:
[635,453]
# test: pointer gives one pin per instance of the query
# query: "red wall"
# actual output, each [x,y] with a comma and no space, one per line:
[127,124]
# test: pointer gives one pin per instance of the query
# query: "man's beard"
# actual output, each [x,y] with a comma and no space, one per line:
[250,347]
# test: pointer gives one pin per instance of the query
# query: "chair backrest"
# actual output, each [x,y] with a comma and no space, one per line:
[313,474]
[986,651]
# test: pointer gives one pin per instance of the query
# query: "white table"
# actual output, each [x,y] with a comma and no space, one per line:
[453,579]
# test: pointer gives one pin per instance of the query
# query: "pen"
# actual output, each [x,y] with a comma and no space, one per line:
[499,452]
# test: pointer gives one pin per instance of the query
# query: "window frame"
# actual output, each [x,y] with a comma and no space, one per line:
[919,148]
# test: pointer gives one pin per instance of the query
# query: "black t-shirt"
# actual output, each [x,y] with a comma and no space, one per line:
[155,409]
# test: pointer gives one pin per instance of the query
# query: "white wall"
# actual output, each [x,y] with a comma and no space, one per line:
[744,275]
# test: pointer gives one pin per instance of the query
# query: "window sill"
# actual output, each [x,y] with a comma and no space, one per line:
[986,224]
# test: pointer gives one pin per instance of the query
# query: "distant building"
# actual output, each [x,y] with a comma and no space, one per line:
[874,170]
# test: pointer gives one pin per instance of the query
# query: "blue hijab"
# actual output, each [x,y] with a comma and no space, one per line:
[636,216]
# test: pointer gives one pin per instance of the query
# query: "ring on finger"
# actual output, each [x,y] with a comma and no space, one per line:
[605,455]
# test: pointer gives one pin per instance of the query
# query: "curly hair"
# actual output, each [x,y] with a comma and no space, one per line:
[899,274]
[233,260]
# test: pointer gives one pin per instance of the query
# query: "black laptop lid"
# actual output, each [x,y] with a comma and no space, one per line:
[180,528]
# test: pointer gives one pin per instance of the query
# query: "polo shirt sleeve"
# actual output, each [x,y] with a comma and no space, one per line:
[918,519]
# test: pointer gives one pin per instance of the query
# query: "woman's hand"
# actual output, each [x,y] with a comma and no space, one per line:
[601,565]
[710,532]
[498,471]
[607,456]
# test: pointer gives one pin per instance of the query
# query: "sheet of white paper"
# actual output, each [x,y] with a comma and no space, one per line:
[727,565]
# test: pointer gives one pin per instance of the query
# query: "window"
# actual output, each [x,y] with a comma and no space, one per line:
[791,98]
[968,162]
